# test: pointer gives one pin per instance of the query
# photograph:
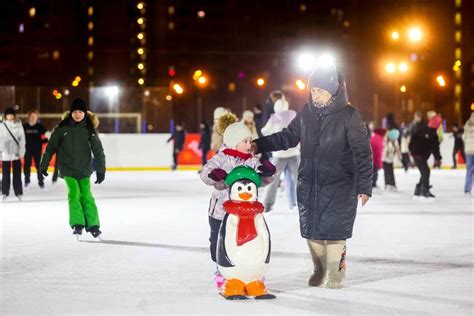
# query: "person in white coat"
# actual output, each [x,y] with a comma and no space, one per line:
[12,147]
[468,138]
[283,159]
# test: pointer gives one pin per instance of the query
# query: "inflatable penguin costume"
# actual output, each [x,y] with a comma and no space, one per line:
[243,248]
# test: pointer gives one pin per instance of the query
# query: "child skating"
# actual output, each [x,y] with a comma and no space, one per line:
[74,140]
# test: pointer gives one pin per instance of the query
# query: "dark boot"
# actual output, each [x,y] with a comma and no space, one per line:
[425,192]
[417,190]
[77,229]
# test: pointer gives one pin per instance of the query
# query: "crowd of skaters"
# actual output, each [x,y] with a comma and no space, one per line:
[413,144]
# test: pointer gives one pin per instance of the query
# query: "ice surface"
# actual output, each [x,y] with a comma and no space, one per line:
[406,256]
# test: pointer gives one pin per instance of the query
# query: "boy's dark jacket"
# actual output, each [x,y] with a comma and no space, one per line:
[74,142]
[336,165]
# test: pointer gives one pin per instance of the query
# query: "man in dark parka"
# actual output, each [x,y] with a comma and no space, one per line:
[335,171]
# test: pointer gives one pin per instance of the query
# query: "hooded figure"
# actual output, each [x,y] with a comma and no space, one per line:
[335,170]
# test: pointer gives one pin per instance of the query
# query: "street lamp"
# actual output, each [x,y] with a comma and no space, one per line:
[403,67]
[306,62]
[390,67]
[415,34]
[300,84]
[260,82]
[395,35]
[441,81]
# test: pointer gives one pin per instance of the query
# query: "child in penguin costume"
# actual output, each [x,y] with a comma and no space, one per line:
[243,248]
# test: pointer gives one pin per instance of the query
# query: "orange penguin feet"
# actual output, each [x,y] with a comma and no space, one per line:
[258,290]
[233,289]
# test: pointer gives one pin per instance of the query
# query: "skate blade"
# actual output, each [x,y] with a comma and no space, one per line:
[265,297]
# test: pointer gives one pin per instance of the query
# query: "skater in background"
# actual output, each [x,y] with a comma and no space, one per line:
[216,137]
[335,171]
[435,121]
[283,159]
[423,143]
[12,148]
[205,141]
[269,103]
[376,143]
[179,138]
[404,142]
[247,119]
[258,118]
[458,144]
[234,152]
[391,150]
[468,138]
[75,139]
[35,138]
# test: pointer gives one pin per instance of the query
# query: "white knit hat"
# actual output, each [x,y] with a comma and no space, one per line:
[218,112]
[247,115]
[235,133]
[280,106]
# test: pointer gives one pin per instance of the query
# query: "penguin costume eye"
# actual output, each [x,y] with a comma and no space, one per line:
[249,188]
[239,188]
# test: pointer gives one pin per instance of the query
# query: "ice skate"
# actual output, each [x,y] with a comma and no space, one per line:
[77,231]
[19,197]
[4,198]
[95,232]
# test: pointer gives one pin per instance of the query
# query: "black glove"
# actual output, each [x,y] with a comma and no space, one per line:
[44,172]
[267,169]
[100,177]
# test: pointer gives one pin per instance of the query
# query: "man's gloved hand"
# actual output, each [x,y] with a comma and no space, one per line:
[44,172]
[100,177]
[437,164]
[217,174]
[267,169]
[254,148]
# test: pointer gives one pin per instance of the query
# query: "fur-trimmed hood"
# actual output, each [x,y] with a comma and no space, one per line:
[93,118]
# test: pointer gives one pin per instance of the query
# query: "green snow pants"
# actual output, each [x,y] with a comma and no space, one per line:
[82,207]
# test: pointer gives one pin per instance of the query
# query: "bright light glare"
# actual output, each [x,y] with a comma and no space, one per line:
[415,34]
[390,67]
[112,91]
[403,67]
[306,61]
[300,84]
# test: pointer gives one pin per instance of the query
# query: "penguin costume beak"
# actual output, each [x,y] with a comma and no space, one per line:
[245,196]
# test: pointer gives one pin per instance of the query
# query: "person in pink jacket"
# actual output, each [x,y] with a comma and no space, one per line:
[236,151]
[376,142]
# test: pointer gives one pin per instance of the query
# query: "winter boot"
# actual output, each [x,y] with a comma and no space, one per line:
[336,264]
[318,254]
[417,190]
[425,192]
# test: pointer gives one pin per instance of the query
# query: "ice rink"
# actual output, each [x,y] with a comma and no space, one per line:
[406,256]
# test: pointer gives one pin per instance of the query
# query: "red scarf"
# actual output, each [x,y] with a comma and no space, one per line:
[237,154]
[246,212]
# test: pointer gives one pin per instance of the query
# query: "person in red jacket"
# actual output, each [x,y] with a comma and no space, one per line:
[376,142]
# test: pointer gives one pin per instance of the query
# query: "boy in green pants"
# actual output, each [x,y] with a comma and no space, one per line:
[73,140]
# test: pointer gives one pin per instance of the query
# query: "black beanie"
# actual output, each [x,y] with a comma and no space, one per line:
[78,105]
[9,110]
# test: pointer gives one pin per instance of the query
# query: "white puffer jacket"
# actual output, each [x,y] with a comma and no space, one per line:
[9,149]
[220,193]
[468,136]
[277,122]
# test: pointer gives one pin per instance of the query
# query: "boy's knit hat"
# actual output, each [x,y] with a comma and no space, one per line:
[78,105]
[9,110]
[280,106]
[393,134]
[235,133]
[324,77]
